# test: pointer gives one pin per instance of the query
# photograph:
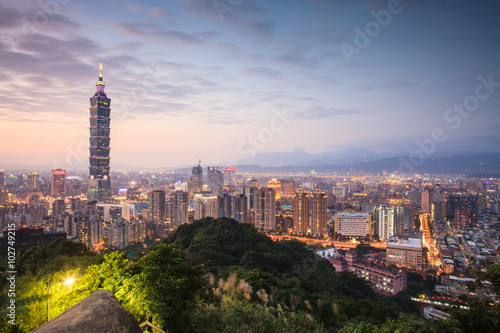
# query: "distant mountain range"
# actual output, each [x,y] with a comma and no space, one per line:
[347,157]
[483,166]
[470,163]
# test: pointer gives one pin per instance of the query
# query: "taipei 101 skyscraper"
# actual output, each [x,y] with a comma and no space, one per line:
[99,182]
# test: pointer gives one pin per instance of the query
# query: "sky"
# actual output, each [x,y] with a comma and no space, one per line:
[223,80]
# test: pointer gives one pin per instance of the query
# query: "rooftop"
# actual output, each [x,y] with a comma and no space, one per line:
[405,242]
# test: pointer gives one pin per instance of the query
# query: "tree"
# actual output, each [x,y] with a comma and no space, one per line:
[109,275]
[493,275]
[425,252]
[170,286]
[482,317]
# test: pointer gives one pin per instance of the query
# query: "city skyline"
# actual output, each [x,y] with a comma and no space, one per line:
[226,81]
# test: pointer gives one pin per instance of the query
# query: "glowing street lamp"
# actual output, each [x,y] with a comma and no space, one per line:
[67,282]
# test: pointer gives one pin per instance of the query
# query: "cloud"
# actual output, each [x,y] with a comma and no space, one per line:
[159,13]
[390,84]
[148,30]
[264,72]
[257,29]
[34,20]
[321,112]
[397,84]
[136,7]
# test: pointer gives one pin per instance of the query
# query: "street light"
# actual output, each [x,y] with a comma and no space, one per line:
[67,282]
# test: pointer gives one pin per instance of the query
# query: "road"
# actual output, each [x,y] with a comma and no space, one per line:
[324,242]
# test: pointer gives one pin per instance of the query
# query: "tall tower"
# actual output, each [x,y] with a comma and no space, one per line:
[302,212]
[265,208]
[230,176]
[178,208]
[156,205]
[426,201]
[99,182]
[319,203]
[196,180]
[33,180]
[215,179]
[58,182]
[385,222]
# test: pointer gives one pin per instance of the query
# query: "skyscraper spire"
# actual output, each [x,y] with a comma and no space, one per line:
[100,81]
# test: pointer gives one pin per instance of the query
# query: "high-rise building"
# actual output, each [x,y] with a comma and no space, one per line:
[437,193]
[240,211]
[2,178]
[385,222]
[156,205]
[112,212]
[461,202]
[33,180]
[339,192]
[215,179]
[75,204]
[401,219]
[275,184]
[352,224]
[224,205]
[249,192]
[288,187]
[178,208]
[405,252]
[462,219]
[99,182]
[426,201]
[58,208]
[302,212]
[118,234]
[437,211]
[196,180]
[230,176]
[205,206]
[253,182]
[265,208]
[4,197]
[58,182]
[319,202]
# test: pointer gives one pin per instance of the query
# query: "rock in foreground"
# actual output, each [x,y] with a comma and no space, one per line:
[100,312]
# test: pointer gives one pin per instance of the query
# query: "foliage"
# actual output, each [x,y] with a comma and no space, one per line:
[416,285]
[363,249]
[493,275]
[408,323]
[253,285]
[31,299]
[108,275]
[170,286]
[234,312]
[282,269]
[237,315]
[482,317]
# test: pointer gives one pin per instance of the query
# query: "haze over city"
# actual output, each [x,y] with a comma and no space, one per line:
[190,77]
